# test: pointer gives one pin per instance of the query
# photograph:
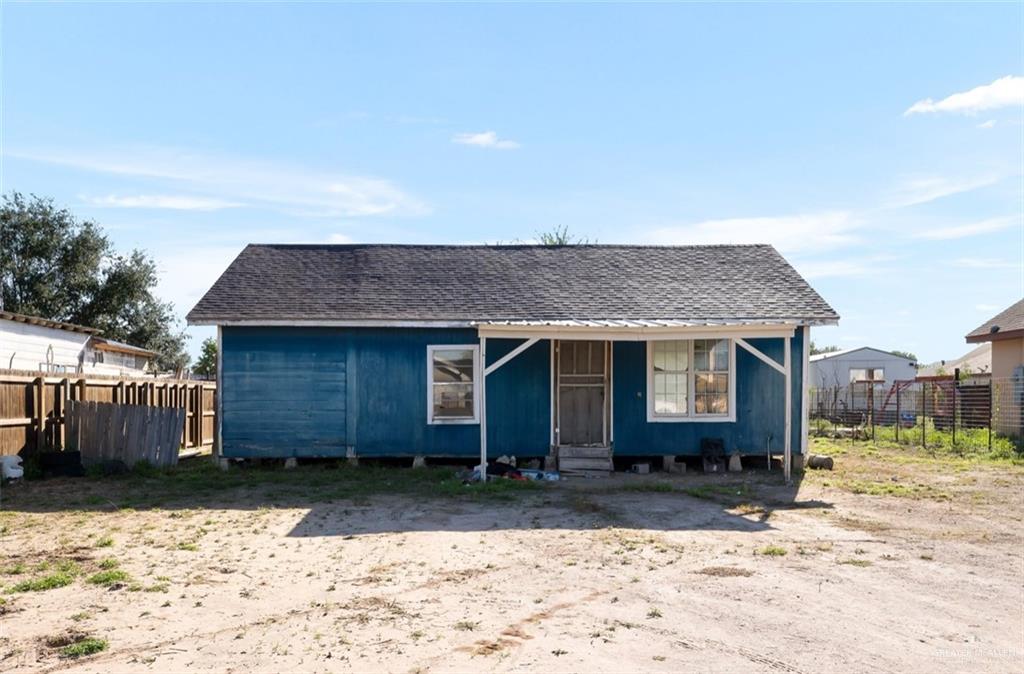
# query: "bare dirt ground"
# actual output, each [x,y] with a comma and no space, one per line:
[896,561]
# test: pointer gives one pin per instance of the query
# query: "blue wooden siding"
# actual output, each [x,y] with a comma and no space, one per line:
[268,384]
[760,405]
[321,391]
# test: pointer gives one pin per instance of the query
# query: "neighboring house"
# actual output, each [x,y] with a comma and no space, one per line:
[463,351]
[106,356]
[976,363]
[842,368]
[41,345]
[1005,333]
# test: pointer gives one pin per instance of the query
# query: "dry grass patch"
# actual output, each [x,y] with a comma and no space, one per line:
[725,571]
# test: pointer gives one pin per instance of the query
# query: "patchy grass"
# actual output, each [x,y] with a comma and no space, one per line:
[855,562]
[109,578]
[104,542]
[196,480]
[109,563]
[772,551]
[719,492]
[656,487]
[466,625]
[15,569]
[83,647]
[50,582]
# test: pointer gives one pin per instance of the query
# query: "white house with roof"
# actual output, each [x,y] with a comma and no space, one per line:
[41,345]
[842,368]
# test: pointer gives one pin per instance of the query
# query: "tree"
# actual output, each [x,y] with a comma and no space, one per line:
[904,354]
[815,349]
[207,363]
[559,236]
[58,267]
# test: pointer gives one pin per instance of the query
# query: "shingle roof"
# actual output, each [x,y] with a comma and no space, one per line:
[1009,320]
[480,283]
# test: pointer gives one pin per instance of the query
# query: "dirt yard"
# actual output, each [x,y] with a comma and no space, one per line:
[896,561]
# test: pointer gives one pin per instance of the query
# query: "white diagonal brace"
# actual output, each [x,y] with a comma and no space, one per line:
[757,352]
[510,355]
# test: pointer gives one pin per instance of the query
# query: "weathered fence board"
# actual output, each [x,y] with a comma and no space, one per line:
[128,433]
[33,406]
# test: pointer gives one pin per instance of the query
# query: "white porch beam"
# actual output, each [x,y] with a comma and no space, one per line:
[510,355]
[483,412]
[788,458]
[761,355]
[805,417]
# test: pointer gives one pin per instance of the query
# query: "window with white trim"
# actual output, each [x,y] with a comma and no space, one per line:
[452,395]
[690,379]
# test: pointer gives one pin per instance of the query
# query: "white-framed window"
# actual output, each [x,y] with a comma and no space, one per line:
[691,380]
[867,374]
[453,371]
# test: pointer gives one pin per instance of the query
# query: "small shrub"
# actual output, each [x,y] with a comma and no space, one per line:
[86,646]
[466,625]
[111,577]
[654,613]
[104,542]
[109,563]
[772,551]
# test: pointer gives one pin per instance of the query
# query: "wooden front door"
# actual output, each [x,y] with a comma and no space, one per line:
[582,393]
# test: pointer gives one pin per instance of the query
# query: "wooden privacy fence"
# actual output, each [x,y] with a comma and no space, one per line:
[33,406]
[128,433]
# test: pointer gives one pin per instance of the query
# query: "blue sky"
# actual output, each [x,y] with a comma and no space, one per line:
[879,147]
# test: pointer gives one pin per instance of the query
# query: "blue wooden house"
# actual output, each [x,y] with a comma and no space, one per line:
[482,351]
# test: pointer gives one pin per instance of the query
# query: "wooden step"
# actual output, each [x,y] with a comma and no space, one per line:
[585,452]
[571,463]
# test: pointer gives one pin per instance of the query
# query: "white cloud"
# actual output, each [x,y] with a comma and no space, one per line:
[913,191]
[791,233]
[983,263]
[339,238]
[1004,92]
[161,201]
[987,125]
[964,231]
[487,139]
[240,181]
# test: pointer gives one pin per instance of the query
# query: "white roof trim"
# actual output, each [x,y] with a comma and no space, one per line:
[617,325]
[367,323]
[634,333]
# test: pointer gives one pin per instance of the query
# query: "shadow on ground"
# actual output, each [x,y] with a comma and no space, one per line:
[350,501]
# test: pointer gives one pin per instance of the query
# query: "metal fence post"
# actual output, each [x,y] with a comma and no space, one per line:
[956,385]
[924,409]
[991,410]
[898,421]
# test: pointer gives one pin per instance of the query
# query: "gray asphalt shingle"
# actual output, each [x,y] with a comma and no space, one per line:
[433,282]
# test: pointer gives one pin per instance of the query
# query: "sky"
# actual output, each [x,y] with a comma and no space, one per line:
[879,147]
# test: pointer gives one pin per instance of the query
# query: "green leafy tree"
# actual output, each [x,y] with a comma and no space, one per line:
[815,349]
[207,363]
[904,354]
[58,267]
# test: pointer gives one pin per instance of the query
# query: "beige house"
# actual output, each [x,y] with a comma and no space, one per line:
[1005,332]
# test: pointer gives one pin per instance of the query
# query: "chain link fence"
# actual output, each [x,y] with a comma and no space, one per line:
[973,414]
